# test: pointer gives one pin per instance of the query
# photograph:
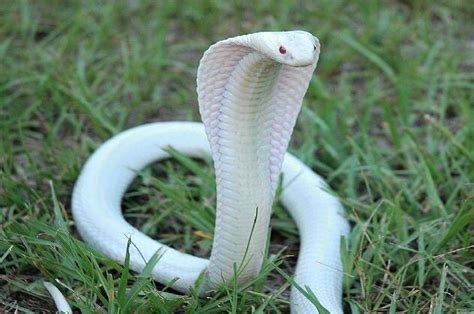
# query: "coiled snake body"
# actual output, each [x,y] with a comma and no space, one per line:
[250,90]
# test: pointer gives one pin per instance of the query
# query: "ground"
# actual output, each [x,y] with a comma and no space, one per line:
[388,121]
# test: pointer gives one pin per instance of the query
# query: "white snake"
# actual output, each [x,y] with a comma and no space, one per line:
[250,90]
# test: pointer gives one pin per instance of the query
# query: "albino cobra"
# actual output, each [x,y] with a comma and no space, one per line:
[250,90]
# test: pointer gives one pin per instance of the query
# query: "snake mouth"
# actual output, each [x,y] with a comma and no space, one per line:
[301,64]
[296,61]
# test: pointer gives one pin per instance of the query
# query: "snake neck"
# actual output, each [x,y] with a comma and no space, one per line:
[248,104]
[241,160]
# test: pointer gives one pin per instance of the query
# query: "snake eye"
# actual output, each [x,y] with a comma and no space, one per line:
[314,46]
[282,50]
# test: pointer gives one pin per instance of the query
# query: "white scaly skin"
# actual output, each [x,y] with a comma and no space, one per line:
[58,297]
[250,94]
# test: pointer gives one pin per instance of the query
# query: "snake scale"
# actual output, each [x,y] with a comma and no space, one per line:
[250,91]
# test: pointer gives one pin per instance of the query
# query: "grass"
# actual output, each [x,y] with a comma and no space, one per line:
[388,120]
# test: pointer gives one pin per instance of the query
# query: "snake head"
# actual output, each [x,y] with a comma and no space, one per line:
[293,48]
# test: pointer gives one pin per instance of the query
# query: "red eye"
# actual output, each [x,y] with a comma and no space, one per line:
[282,50]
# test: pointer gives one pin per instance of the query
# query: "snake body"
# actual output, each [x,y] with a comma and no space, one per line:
[250,90]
